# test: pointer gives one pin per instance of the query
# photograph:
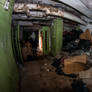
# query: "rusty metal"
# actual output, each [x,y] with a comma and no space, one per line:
[49,10]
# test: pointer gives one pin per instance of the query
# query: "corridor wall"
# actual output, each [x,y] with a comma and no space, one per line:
[8,68]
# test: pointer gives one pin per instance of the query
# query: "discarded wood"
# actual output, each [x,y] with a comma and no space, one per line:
[77,59]
[86,35]
[73,68]
[74,65]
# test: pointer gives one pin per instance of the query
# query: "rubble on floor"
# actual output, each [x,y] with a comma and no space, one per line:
[59,68]
[40,76]
[79,58]
[47,75]
[72,67]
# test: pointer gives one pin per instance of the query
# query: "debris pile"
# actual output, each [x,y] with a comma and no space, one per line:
[77,40]
[74,61]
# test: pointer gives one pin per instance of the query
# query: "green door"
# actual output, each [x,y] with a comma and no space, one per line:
[16,44]
[46,45]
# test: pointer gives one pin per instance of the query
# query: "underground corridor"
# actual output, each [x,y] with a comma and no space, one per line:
[45,46]
[49,58]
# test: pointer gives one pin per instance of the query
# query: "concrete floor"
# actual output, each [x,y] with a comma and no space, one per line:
[36,78]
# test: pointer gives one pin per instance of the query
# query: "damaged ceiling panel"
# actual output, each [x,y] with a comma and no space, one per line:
[83,6]
[49,10]
[78,10]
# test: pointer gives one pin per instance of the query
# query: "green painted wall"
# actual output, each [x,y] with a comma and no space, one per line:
[45,30]
[8,70]
[56,36]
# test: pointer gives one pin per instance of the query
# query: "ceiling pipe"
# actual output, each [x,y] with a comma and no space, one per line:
[49,10]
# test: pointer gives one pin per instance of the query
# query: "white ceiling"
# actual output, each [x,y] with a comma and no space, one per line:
[84,6]
[88,3]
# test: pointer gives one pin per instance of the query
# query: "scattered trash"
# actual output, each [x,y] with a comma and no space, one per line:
[77,64]
[71,36]
[84,45]
[71,47]
[77,40]
[59,65]
[59,71]
[56,62]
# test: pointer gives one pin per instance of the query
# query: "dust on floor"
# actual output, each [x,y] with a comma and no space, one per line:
[35,79]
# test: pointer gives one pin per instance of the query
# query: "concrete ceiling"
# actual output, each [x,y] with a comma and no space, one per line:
[83,6]
[88,3]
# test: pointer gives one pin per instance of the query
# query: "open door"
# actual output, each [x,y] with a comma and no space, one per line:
[16,44]
[46,37]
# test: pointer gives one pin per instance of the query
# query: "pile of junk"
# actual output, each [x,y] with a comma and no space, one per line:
[76,55]
[75,61]
[77,40]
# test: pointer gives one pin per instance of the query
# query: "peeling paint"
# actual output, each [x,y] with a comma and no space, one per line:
[49,10]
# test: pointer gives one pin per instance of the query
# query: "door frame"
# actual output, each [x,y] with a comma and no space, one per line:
[44,30]
[16,44]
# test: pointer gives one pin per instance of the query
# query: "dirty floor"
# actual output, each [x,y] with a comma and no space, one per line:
[36,77]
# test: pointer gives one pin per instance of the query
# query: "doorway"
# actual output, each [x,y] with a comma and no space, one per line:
[31,43]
